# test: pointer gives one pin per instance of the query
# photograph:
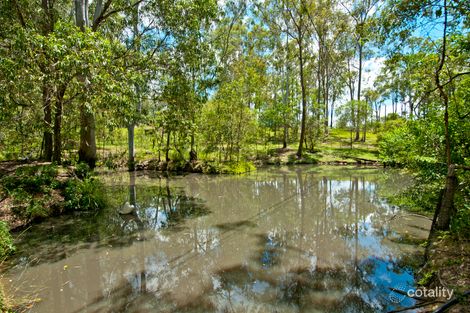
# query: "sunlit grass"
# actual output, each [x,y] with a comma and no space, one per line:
[335,147]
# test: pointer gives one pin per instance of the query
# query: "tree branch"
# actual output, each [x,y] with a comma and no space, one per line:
[103,16]
[20,15]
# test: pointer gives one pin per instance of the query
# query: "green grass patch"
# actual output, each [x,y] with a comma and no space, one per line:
[6,241]
[84,194]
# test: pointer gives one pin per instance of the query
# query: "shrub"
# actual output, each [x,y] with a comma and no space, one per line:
[6,242]
[31,179]
[83,195]
[82,170]
[396,145]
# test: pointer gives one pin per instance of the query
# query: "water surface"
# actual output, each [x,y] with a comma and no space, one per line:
[290,239]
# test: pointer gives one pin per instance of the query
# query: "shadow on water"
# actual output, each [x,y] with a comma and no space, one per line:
[248,289]
[161,208]
[282,240]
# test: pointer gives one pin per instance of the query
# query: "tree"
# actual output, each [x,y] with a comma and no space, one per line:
[400,19]
[361,11]
[297,30]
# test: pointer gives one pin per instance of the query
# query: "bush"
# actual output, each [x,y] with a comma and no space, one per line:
[84,195]
[6,242]
[82,170]
[240,167]
[31,190]
[461,222]
[31,179]
[395,145]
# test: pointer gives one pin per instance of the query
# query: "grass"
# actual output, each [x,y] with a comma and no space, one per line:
[335,148]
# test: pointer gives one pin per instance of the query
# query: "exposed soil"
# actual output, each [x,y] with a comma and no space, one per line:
[7,204]
[449,263]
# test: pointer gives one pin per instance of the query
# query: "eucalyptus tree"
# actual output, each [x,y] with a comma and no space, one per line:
[282,59]
[289,18]
[242,98]
[100,12]
[447,63]
[361,13]
[329,28]
[297,28]
[185,68]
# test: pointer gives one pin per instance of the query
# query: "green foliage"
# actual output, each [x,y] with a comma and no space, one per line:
[84,195]
[31,179]
[37,193]
[427,278]
[32,189]
[82,171]
[6,244]
[461,222]
[395,145]
[238,168]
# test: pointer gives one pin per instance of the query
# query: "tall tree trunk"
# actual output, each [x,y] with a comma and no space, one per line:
[284,137]
[286,96]
[131,127]
[80,13]
[131,146]
[350,81]
[359,83]
[47,28]
[445,209]
[442,92]
[304,96]
[364,130]
[48,143]
[87,150]
[332,111]
[325,95]
[192,152]
[57,155]
[167,148]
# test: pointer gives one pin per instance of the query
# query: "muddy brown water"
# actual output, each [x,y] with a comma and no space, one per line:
[282,239]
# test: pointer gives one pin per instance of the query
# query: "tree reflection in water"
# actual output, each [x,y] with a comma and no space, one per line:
[275,241]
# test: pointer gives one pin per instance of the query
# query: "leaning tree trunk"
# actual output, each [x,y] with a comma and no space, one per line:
[446,207]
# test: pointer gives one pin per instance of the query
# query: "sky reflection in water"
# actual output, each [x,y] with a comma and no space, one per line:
[279,240]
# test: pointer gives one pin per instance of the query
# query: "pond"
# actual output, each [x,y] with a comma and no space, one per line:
[282,239]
